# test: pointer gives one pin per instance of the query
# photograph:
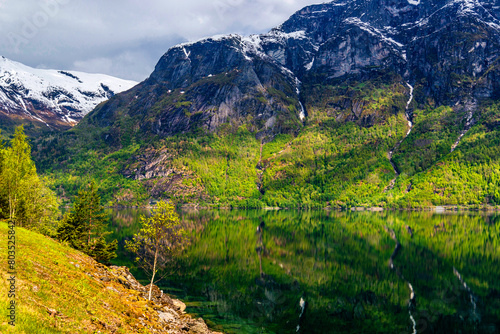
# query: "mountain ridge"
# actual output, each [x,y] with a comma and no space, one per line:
[328,41]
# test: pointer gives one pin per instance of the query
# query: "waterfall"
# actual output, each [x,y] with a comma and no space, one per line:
[410,125]
[302,112]
[302,305]
[468,125]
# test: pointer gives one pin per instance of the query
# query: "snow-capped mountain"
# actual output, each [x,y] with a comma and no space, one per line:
[445,52]
[58,99]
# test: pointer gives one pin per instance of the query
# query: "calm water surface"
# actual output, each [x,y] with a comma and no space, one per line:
[334,272]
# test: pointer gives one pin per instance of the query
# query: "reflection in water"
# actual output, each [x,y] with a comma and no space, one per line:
[412,303]
[260,246]
[471,296]
[253,271]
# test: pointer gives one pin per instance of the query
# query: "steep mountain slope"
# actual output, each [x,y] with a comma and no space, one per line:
[51,99]
[446,49]
[319,111]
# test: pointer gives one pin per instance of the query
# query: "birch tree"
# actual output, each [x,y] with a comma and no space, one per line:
[28,201]
[159,237]
[18,170]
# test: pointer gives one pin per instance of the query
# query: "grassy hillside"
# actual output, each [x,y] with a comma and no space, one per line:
[60,290]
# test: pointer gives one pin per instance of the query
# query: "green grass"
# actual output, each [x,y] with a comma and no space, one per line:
[52,276]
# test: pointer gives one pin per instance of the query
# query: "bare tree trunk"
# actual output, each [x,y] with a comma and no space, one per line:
[154,272]
[12,207]
[90,229]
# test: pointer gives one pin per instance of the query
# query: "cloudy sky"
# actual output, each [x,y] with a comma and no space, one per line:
[124,38]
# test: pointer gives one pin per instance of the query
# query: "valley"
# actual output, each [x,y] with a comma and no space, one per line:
[338,173]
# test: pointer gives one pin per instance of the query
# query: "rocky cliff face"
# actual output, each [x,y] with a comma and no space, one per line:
[207,84]
[51,99]
[448,50]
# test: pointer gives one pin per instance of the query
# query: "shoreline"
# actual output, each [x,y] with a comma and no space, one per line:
[437,208]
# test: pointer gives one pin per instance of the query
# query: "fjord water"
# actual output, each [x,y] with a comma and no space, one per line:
[335,272]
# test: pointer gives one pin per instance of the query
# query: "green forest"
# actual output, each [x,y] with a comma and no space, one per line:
[27,200]
[333,161]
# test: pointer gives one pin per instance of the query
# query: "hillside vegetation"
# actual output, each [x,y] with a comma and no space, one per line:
[338,159]
[61,290]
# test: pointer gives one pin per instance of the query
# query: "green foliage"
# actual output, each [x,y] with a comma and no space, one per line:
[24,197]
[378,98]
[469,175]
[84,161]
[338,159]
[276,145]
[225,164]
[340,164]
[159,237]
[84,228]
[431,139]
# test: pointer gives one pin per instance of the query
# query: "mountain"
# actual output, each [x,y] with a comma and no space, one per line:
[51,99]
[447,49]
[361,102]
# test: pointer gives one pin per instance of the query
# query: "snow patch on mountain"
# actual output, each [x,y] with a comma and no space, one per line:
[215,38]
[372,31]
[335,3]
[310,65]
[22,87]
[252,45]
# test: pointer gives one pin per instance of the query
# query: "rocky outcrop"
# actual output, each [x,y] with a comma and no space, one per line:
[160,315]
[155,169]
[203,86]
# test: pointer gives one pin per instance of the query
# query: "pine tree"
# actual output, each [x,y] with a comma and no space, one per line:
[84,228]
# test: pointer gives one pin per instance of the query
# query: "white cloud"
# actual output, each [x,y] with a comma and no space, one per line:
[124,37]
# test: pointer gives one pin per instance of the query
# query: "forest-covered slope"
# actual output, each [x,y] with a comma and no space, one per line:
[377,103]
